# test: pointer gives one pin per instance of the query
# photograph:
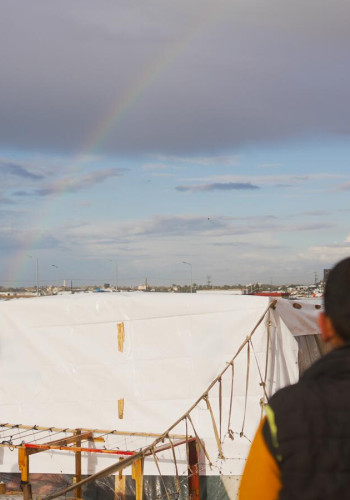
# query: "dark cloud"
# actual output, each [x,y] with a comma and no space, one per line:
[16,239]
[220,186]
[184,225]
[312,227]
[22,194]
[18,170]
[5,201]
[136,77]
[257,245]
[180,225]
[72,184]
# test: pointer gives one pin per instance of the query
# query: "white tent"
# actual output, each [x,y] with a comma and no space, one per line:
[66,361]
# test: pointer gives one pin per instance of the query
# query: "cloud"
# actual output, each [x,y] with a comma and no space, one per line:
[209,230]
[138,77]
[315,213]
[220,186]
[205,161]
[344,187]
[22,193]
[311,227]
[249,244]
[18,171]
[326,254]
[78,183]
[5,201]
[285,180]
[14,239]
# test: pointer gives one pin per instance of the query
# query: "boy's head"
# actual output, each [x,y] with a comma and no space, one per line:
[337,299]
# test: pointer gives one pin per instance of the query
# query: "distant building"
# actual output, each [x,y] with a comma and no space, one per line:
[143,288]
[325,274]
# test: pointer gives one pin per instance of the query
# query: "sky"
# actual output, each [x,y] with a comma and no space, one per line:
[136,135]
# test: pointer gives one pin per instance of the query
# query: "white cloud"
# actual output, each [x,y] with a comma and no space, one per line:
[344,187]
[326,254]
[205,161]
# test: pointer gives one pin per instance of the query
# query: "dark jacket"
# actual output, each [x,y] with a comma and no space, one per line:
[313,431]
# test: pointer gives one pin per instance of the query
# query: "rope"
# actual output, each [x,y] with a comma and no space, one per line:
[266,363]
[246,387]
[200,442]
[187,445]
[160,474]
[220,407]
[229,430]
[177,479]
[217,437]
[262,383]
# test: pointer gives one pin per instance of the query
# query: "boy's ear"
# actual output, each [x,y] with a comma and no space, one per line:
[323,323]
[328,334]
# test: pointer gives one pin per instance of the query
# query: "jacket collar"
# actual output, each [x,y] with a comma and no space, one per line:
[335,364]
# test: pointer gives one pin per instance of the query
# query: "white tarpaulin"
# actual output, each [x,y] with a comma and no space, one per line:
[60,366]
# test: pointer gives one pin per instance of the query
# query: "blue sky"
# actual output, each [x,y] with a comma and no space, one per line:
[215,133]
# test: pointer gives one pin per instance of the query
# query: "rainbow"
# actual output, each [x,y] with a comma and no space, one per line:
[119,108]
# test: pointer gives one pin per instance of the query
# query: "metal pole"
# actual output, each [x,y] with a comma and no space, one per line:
[56,267]
[189,264]
[116,272]
[36,273]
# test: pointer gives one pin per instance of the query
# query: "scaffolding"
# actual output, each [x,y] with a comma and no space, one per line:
[29,440]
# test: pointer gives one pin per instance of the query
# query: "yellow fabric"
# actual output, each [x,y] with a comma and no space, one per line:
[261,478]
[270,415]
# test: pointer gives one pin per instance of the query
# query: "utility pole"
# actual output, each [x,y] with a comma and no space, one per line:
[116,272]
[36,274]
[190,266]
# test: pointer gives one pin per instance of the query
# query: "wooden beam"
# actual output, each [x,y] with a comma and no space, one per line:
[23,463]
[120,485]
[194,489]
[87,436]
[137,475]
[78,491]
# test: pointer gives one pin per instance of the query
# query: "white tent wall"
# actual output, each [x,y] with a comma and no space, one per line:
[60,366]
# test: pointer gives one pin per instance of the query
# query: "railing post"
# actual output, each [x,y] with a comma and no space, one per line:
[120,485]
[193,471]
[77,477]
[23,463]
[137,475]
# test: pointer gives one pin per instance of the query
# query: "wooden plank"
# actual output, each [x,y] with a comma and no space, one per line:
[78,491]
[193,471]
[120,485]
[87,436]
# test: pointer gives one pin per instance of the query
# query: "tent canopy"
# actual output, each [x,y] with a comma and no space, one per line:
[68,360]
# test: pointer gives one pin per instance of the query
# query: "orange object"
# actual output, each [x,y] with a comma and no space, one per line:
[261,478]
